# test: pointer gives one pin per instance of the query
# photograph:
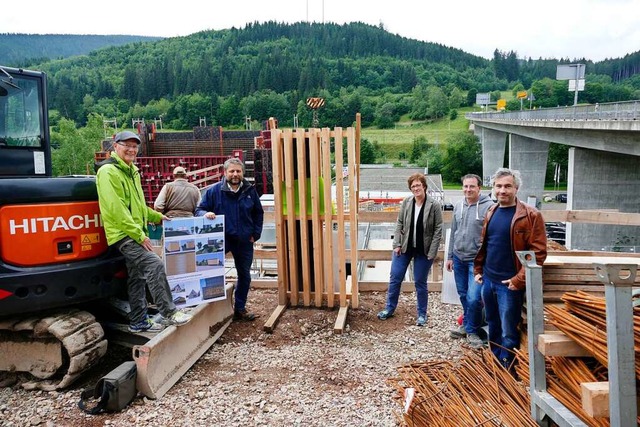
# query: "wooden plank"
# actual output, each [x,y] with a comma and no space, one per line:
[303,242]
[592,217]
[558,344]
[585,261]
[376,286]
[341,320]
[272,321]
[338,143]
[379,217]
[365,286]
[292,237]
[353,162]
[316,220]
[595,398]
[281,240]
[328,214]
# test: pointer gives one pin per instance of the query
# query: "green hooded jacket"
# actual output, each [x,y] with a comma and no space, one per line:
[122,205]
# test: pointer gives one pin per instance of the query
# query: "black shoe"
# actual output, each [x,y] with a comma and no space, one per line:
[244,315]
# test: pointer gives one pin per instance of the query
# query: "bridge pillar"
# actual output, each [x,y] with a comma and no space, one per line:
[493,146]
[529,156]
[602,180]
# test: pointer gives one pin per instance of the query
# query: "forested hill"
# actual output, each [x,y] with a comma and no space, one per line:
[19,49]
[269,69]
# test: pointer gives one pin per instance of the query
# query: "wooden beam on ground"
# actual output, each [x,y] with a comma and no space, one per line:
[558,344]
[271,323]
[341,320]
[595,398]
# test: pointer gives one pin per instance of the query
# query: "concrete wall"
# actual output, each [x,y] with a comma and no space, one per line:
[529,156]
[602,180]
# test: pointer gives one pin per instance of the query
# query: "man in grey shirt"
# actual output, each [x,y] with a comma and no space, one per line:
[466,227]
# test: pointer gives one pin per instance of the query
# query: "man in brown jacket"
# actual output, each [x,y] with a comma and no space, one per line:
[509,226]
[178,198]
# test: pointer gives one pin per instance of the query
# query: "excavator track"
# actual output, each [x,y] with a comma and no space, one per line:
[55,349]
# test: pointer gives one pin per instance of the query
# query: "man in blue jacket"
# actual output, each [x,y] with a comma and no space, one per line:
[236,199]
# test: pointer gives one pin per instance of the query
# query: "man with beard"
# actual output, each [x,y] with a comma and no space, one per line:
[509,226]
[236,199]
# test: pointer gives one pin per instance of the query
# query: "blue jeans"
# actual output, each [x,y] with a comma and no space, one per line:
[470,293]
[242,252]
[399,265]
[503,309]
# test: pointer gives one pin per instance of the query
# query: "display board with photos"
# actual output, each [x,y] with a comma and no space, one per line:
[193,250]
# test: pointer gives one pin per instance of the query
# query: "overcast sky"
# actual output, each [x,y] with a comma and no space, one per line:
[594,29]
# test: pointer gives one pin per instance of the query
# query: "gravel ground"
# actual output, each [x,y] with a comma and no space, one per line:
[301,374]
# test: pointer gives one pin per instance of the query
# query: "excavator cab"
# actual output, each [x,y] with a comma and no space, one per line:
[24,126]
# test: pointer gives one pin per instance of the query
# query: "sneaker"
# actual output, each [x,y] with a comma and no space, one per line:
[147,325]
[474,341]
[459,332]
[422,320]
[244,315]
[177,318]
[384,315]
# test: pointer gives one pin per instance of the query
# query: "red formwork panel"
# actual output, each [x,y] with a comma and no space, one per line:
[155,172]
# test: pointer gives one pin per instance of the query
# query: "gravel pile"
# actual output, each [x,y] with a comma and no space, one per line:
[301,375]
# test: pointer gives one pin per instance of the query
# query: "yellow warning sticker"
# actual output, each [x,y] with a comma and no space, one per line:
[88,239]
[86,247]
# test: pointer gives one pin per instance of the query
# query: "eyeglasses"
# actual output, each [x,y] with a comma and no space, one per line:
[414,187]
[130,147]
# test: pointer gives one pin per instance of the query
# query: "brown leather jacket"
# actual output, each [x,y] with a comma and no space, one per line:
[527,233]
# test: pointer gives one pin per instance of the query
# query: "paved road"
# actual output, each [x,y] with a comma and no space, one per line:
[454,196]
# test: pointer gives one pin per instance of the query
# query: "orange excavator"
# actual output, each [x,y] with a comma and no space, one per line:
[57,273]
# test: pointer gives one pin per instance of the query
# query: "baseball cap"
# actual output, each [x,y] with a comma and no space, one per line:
[126,135]
[179,170]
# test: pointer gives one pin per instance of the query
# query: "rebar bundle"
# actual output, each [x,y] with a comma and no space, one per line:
[564,376]
[584,320]
[475,391]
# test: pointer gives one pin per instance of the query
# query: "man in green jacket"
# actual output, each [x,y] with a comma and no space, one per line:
[125,216]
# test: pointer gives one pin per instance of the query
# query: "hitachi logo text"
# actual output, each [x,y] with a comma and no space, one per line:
[51,224]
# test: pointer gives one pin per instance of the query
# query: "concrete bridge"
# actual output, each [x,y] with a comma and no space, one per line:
[604,161]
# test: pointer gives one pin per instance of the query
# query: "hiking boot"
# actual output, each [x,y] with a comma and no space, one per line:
[243,315]
[178,318]
[474,341]
[385,314]
[421,321]
[457,333]
[147,325]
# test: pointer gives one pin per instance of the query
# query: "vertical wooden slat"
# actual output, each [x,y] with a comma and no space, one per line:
[353,211]
[291,217]
[303,242]
[328,214]
[338,143]
[318,259]
[281,240]
[357,159]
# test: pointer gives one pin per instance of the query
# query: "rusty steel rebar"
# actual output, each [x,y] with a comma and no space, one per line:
[584,320]
[475,391]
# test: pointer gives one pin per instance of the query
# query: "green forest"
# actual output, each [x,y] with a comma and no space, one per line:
[269,70]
